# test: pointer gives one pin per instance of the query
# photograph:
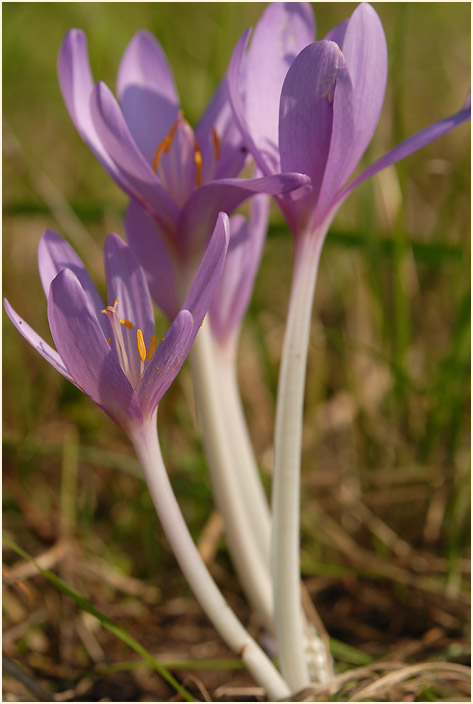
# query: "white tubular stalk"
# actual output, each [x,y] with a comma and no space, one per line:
[147,448]
[289,623]
[249,563]
[256,504]
[245,465]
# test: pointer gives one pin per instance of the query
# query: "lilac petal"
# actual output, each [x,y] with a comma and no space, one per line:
[54,255]
[149,246]
[126,282]
[366,55]
[86,354]
[208,275]
[337,33]
[409,146]
[147,93]
[76,82]
[284,29]
[306,112]
[233,295]
[45,350]
[232,153]
[341,142]
[166,362]
[200,212]
[116,138]
[235,95]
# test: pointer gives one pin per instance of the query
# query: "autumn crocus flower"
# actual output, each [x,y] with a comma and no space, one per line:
[310,107]
[182,178]
[314,106]
[110,352]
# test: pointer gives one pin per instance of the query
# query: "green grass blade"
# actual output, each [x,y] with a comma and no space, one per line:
[85,605]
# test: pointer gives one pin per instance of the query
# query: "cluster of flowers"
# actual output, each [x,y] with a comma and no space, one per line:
[303,112]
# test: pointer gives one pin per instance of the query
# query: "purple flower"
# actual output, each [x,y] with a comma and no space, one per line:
[313,106]
[110,351]
[183,179]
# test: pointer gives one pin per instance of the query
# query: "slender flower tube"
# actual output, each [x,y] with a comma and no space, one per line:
[226,314]
[110,353]
[311,107]
[236,483]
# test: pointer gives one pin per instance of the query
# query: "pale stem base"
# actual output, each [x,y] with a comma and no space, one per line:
[147,448]
[249,563]
[289,624]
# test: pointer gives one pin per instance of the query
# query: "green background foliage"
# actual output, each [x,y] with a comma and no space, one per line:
[386,419]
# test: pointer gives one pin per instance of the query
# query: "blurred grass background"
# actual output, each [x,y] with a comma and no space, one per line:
[386,492]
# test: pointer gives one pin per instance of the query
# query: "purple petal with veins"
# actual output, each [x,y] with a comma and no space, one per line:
[147,93]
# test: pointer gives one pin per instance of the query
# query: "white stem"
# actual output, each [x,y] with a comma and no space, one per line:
[249,563]
[254,498]
[289,624]
[147,448]
[246,467]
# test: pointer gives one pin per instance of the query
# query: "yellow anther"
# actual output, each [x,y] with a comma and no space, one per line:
[166,143]
[109,339]
[140,343]
[152,347]
[127,324]
[198,164]
[216,142]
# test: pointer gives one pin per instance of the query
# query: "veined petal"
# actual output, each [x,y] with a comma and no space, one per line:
[341,142]
[233,295]
[126,282]
[85,352]
[148,244]
[116,138]
[147,93]
[284,29]
[45,350]
[54,255]
[306,112]
[199,214]
[366,55]
[236,84]
[221,144]
[409,146]
[76,82]
[208,275]
[164,366]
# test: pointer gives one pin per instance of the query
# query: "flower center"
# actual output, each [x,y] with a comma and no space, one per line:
[179,163]
[129,345]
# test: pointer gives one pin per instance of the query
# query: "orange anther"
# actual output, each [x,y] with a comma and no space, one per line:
[140,343]
[216,142]
[198,164]
[166,143]
[152,347]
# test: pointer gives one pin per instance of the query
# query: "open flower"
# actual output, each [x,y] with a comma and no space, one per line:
[183,179]
[313,106]
[110,351]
